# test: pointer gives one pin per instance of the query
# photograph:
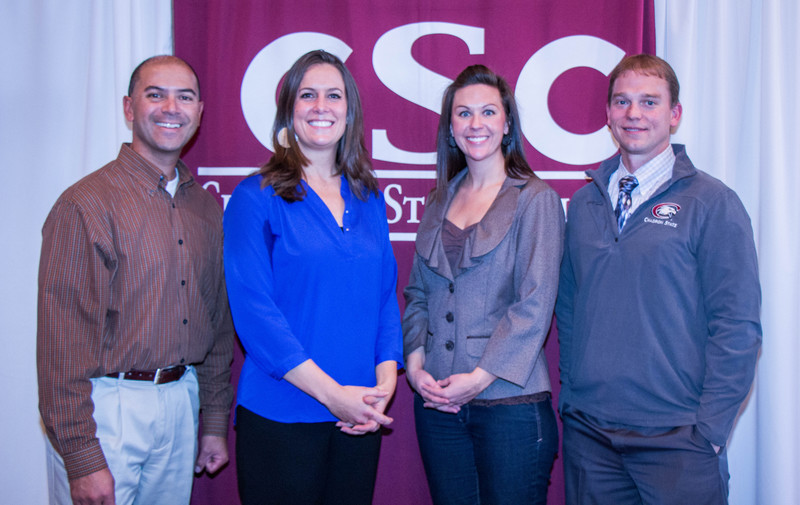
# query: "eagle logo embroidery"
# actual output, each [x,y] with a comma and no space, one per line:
[665,210]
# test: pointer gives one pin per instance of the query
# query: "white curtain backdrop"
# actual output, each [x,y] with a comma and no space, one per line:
[66,66]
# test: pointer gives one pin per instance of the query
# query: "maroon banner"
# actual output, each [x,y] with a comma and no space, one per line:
[554,53]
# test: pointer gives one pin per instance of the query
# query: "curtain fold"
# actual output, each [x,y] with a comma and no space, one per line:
[66,67]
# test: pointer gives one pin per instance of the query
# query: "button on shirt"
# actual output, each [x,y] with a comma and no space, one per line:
[130,278]
[651,176]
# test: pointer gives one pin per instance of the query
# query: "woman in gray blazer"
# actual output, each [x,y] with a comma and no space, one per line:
[479,305]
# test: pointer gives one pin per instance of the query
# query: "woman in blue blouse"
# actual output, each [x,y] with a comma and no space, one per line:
[311,279]
[479,305]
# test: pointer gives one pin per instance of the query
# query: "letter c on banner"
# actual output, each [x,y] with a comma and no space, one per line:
[398,71]
[533,86]
[260,82]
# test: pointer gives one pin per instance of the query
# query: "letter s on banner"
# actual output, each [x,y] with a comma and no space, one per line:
[398,71]
[260,82]
[533,87]
[392,203]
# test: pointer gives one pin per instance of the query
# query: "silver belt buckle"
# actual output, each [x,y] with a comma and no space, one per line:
[157,376]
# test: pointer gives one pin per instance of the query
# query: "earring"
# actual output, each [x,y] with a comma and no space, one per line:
[506,140]
[451,141]
[283,138]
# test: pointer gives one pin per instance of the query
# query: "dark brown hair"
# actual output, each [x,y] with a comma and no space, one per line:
[450,160]
[646,64]
[284,170]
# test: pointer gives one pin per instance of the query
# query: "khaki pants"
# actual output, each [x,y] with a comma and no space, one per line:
[148,434]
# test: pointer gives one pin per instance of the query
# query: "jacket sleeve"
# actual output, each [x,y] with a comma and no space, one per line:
[415,317]
[519,336]
[261,326]
[74,280]
[565,304]
[728,269]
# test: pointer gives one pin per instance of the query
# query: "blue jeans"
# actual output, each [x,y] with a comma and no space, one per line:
[494,455]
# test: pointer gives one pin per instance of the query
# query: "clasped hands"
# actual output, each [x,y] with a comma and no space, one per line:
[360,409]
[450,393]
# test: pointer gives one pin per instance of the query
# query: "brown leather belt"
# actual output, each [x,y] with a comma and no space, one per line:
[158,376]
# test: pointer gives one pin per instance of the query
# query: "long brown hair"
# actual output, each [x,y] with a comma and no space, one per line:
[284,170]
[449,158]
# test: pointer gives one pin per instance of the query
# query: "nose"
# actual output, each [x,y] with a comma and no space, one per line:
[170,104]
[320,104]
[634,111]
[476,121]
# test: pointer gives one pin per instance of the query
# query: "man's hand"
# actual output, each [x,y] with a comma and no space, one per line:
[213,454]
[94,489]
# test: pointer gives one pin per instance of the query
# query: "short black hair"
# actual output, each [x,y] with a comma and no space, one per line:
[161,58]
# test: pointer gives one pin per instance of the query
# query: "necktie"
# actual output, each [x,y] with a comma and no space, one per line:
[626,186]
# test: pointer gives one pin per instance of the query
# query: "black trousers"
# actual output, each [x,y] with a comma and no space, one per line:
[303,463]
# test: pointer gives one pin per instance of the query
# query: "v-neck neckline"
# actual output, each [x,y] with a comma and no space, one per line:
[323,207]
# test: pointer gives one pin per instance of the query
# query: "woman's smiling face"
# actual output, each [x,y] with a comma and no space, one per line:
[478,122]
[320,108]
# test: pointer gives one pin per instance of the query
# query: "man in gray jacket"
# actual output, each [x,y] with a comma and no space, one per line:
[658,311]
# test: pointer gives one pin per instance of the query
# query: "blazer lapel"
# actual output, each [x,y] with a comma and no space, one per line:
[495,225]
[429,234]
[488,234]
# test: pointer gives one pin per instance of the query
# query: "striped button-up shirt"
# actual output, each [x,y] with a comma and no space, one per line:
[130,278]
[651,176]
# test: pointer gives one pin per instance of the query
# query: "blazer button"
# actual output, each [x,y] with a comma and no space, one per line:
[449,345]
[452,287]
[449,317]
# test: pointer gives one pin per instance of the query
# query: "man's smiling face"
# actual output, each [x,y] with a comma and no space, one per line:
[164,110]
[641,117]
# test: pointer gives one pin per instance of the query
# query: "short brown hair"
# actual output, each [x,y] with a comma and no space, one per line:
[646,64]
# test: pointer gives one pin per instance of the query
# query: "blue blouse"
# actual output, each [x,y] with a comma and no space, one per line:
[301,287]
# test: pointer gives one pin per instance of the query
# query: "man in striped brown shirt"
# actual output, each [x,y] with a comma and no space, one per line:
[134,331]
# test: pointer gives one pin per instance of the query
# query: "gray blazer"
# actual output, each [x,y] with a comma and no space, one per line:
[496,311]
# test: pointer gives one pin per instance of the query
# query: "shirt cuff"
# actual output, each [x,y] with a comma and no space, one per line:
[84,462]
[215,423]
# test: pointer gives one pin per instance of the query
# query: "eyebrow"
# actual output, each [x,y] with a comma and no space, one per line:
[480,106]
[159,88]
[312,88]
[646,95]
